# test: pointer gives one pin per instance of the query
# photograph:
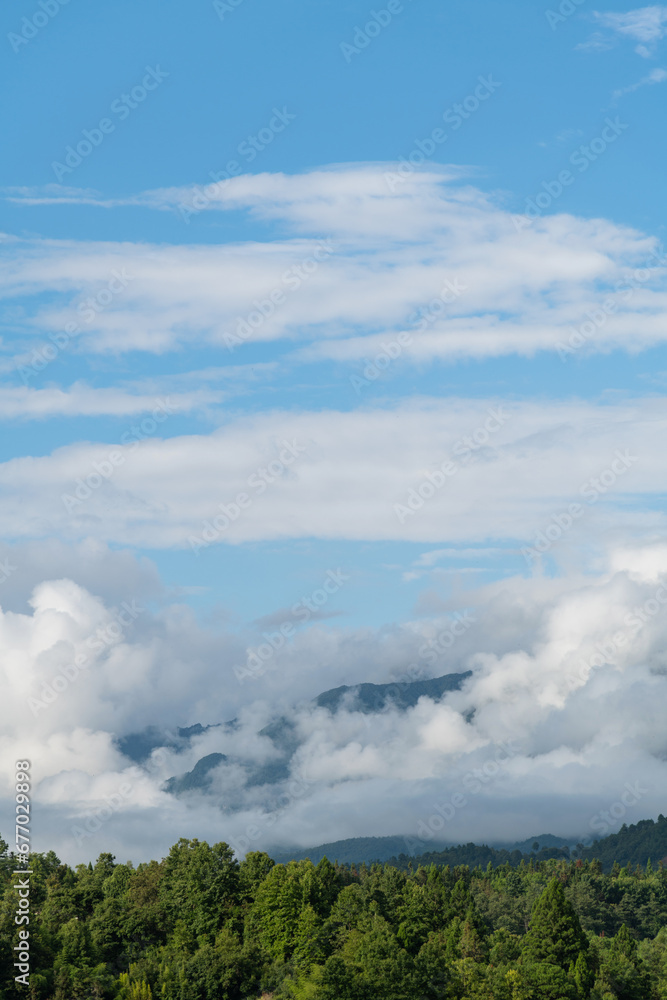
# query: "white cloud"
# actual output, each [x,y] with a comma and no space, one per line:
[655,76]
[393,250]
[26,403]
[647,563]
[647,25]
[354,475]
[431,558]
[571,672]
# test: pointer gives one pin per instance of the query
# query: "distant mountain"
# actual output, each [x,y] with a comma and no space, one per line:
[368,698]
[365,698]
[526,846]
[139,746]
[198,777]
[357,850]
[476,855]
[632,845]
[347,852]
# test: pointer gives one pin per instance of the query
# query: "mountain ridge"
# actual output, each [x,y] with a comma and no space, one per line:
[632,845]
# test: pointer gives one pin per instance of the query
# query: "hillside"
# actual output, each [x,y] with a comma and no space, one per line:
[346,852]
[200,925]
[633,845]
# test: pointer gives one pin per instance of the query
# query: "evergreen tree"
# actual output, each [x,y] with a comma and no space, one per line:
[555,935]
[473,942]
[198,926]
[621,973]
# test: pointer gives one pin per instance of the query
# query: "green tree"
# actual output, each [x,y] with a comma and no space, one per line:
[201,885]
[621,973]
[339,982]
[548,982]
[473,943]
[555,935]
[435,977]
[253,870]
[274,916]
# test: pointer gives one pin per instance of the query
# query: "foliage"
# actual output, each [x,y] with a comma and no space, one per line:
[199,925]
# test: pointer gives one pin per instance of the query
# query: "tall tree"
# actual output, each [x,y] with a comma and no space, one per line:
[555,934]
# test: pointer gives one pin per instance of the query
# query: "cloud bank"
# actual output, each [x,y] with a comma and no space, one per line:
[562,711]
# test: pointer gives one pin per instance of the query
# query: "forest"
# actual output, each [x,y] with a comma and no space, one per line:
[200,925]
[632,845]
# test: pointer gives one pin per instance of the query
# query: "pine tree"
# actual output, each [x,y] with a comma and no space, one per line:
[555,934]
[582,974]
[624,944]
[460,899]
[622,974]
[472,943]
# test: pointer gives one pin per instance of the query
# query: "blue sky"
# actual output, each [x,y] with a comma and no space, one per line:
[536,216]
[225,71]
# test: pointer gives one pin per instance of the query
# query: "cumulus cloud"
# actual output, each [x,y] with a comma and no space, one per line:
[562,706]
[112,574]
[562,710]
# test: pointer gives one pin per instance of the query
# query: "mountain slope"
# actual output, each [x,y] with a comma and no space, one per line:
[632,845]
[368,698]
[282,732]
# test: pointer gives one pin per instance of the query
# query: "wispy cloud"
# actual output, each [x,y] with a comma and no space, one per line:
[646,25]
[392,252]
[81,400]
[655,76]
[353,469]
